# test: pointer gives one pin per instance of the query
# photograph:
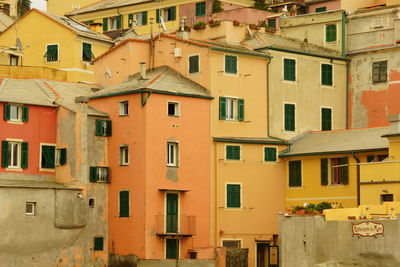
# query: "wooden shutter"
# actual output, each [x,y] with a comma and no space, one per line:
[233,196]
[240,109]
[25,113]
[198,9]
[231,64]
[272,23]
[48,156]
[382,71]
[98,243]
[158,15]
[326,74]
[375,72]
[24,155]
[269,154]
[236,152]
[108,128]
[107,174]
[331,33]
[93,174]
[222,108]
[144,18]
[4,154]
[7,108]
[344,170]
[124,204]
[326,119]
[130,20]
[173,13]
[99,127]
[289,117]
[193,64]
[295,173]
[370,158]
[105,24]
[324,171]
[289,69]
[119,22]
[63,156]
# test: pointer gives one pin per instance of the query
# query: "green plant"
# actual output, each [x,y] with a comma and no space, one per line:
[199,25]
[216,6]
[323,206]
[259,4]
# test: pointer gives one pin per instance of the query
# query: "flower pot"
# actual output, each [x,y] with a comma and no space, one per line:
[301,212]
[215,23]
[199,27]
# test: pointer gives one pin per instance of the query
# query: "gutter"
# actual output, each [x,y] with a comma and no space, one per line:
[239,52]
[347,92]
[335,152]
[358,177]
[304,53]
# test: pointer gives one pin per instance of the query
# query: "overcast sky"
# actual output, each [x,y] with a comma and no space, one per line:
[39,4]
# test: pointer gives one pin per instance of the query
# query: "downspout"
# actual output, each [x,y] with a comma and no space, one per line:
[358,178]
[344,21]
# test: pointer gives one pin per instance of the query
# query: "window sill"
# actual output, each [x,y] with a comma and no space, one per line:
[233,160]
[289,81]
[46,170]
[194,73]
[270,162]
[327,86]
[123,115]
[233,208]
[296,187]
[15,122]
[173,116]
[172,166]
[124,165]
[57,61]
[336,185]
[231,74]
[17,169]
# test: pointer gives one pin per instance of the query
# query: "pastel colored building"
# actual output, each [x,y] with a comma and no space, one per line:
[44,181]
[323,166]
[159,194]
[70,47]
[329,5]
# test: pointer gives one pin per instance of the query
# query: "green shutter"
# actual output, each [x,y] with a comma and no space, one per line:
[295,173]
[173,13]
[289,69]
[144,18]
[107,175]
[324,171]
[171,248]
[320,9]
[124,204]
[326,74]
[233,152]
[370,158]
[289,117]
[105,24]
[272,23]
[7,112]
[241,109]
[130,20]
[331,33]
[193,64]
[48,155]
[4,154]
[24,155]
[326,119]
[99,127]
[233,196]
[119,22]
[344,170]
[98,243]
[87,52]
[51,53]
[382,71]
[25,113]
[270,154]
[63,156]
[108,128]
[231,64]
[222,108]
[200,9]
[93,174]
[158,11]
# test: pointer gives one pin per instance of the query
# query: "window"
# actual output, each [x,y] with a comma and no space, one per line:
[91,202]
[294,173]
[231,243]
[47,157]
[172,248]
[201,9]
[99,174]
[272,23]
[289,69]
[103,128]
[124,204]
[270,154]
[30,208]
[137,19]
[232,152]
[168,14]
[51,54]
[320,9]
[194,64]
[233,196]
[124,108]
[231,109]
[326,119]
[330,33]
[379,71]
[334,171]
[61,156]
[105,24]
[386,198]
[98,243]
[173,109]
[14,60]
[172,154]
[231,64]
[290,117]
[326,74]
[87,54]
[124,155]
[376,158]
[115,23]
[16,113]
[14,154]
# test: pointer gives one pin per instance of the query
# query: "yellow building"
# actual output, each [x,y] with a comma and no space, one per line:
[51,41]
[323,166]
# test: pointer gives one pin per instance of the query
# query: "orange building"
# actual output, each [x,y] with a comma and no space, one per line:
[159,194]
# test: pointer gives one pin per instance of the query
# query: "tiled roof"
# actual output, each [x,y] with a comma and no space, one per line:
[5,21]
[344,141]
[162,79]
[106,4]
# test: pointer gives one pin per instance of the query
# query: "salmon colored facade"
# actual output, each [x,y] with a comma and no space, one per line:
[146,130]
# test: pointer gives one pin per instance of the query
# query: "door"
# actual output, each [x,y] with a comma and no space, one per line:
[172,213]
[273,256]
[172,249]
[262,254]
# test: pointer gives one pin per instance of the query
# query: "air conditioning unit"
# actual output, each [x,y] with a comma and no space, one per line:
[178,52]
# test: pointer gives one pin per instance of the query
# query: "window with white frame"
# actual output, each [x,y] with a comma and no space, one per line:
[231,108]
[173,109]
[123,108]
[124,155]
[30,208]
[61,156]
[16,113]
[14,154]
[102,174]
[99,174]
[47,160]
[172,154]
[231,243]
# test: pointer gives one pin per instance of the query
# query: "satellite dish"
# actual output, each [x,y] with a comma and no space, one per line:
[162,24]
[108,72]
[19,44]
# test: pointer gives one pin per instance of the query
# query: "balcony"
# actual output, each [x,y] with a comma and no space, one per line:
[174,225]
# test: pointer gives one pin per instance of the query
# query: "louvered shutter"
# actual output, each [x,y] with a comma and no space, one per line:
[240,109]
[324,171]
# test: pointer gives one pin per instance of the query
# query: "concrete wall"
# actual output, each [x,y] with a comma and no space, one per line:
[312,241]
[173,263]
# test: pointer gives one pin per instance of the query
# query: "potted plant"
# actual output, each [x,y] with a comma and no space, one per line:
[199,25]
[236,23]
[214,22]
[323,206]
[254,26]
[300,210]
[187,28]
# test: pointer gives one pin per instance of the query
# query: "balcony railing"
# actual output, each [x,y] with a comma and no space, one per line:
[182,225]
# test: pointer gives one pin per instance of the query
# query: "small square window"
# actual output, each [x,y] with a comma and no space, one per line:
[123,108]
[231,243]
[379,71]
[16,113]
[270,154]
[231,64]
[194,64]
[30,208]
[232,152]
[103,127]
[173,109]
[91,202]
[320,9]
[98,243]
[51,54]
[124,155]
[172,154]
[99,174]
[330,33]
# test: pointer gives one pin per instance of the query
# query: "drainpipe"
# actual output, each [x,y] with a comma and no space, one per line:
[358,178]
[347,92]
[344,21]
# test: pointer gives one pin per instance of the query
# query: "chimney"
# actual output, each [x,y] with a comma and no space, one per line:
[142,70]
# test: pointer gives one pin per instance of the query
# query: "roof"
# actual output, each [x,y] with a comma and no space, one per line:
[163,80]
[45,93]
[337,142]
[250,140]
[107,4]
[263,41]
[231,47]
[5,21]
[116,33]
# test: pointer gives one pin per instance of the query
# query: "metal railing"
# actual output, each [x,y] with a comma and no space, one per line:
[175,225]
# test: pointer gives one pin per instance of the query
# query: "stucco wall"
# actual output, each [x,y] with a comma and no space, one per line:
[173,263]
[312,241]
